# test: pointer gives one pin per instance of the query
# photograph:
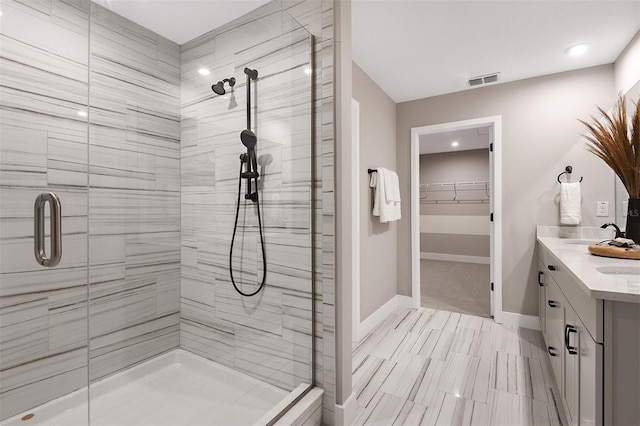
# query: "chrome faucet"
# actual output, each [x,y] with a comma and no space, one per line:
[619,233]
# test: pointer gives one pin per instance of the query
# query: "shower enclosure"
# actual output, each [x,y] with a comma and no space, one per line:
[139,322]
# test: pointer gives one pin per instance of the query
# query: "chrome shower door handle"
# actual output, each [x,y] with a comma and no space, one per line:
[55,209]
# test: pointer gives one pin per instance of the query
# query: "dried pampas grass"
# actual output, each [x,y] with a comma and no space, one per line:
[616,141]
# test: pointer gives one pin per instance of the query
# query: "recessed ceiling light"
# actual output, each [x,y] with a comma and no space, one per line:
[82,113]
[204,71]
[577,50]
[454,143]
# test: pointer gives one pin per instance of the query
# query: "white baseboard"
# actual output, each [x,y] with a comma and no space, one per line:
[404,301]
[345,414]
[519,320]
[455,258]
[372,321]
[368,324]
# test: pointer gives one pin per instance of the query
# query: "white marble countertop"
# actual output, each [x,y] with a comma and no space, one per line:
[571,250]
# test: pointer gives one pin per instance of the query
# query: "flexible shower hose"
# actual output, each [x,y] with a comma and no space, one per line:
[233,238]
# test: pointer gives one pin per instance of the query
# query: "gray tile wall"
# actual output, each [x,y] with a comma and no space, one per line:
[267,336]
[134,195]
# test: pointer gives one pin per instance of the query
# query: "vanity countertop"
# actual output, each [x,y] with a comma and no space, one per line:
[581,265]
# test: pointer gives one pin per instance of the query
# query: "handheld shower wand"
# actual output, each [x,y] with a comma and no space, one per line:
[249,140]
[249,162]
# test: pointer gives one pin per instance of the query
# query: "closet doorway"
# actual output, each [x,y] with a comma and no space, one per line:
[455,220]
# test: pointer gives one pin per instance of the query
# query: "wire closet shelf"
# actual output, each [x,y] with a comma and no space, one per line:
[455,192]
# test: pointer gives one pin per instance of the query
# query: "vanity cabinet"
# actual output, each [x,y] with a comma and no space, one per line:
[576,358]
[590,322]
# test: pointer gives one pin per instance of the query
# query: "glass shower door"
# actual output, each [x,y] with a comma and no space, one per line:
[43,171]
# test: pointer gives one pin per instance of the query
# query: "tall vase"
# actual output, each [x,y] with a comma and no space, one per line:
[633,220]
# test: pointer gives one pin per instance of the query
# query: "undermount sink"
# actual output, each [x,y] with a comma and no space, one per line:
[581,241]
[626,271]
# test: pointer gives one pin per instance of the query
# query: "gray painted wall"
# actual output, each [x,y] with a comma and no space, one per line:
[627,66]
[540,136]
[378,241]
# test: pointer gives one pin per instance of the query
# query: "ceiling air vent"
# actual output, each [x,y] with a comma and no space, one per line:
[483,79]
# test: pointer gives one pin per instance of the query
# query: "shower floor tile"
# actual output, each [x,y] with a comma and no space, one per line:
[177,388]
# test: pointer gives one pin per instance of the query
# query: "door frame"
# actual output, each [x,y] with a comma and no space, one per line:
[496,184]
[355,220]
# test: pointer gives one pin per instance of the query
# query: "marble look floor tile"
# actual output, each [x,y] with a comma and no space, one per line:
[441,368]
[411,414]
[383,410]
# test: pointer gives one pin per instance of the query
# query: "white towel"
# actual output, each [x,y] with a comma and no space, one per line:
[392,186]
[386,197]
[570,212]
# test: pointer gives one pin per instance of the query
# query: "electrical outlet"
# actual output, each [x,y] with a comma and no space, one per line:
[602,209]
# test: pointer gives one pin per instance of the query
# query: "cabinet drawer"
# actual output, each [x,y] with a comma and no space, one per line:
[590,311]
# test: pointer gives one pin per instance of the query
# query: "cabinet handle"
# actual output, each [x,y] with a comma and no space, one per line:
[551,348]
[552,303]
[540,274]
[568,329]
[551,267]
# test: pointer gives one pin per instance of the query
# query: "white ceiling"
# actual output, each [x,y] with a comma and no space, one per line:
[181,20]
[418,49]
[467,139]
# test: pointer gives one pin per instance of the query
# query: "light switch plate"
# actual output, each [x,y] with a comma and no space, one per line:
[602,209]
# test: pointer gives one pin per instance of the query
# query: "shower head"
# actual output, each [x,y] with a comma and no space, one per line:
[218,88]
[248,139]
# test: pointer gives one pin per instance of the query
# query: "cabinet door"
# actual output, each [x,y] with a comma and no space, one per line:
[542,298]
[571,367]
[591,384]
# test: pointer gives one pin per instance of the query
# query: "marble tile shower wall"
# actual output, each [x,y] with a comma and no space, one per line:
[267,336]
[129,217]
[134,193]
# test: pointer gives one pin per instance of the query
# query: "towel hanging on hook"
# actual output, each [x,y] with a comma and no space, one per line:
[568,171]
